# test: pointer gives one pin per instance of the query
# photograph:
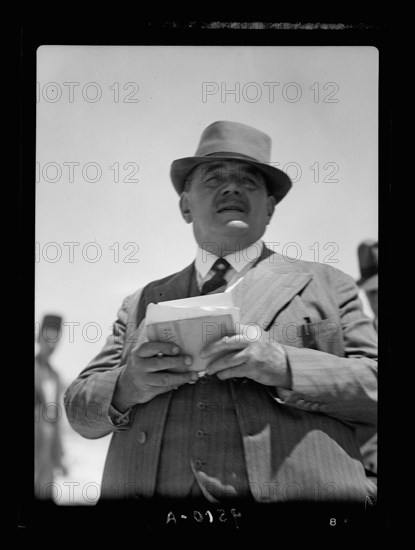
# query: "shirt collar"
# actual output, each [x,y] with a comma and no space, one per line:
[238,260]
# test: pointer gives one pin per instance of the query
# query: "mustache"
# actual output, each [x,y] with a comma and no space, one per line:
[238,204]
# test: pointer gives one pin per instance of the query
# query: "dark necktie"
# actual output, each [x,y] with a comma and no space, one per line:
[220,267]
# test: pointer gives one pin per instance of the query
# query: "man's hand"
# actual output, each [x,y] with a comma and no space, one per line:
[153,368]
[244,356]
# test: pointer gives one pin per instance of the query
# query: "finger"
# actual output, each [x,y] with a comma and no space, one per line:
[166,379]
[151,349]
[225,344]
[181,363]
[157,390]
[213,486]
[226,361]
[242,371]
[243,337]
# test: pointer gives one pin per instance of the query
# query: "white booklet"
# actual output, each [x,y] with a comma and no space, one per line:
[193,322]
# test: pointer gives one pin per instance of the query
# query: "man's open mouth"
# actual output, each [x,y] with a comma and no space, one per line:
[231,208]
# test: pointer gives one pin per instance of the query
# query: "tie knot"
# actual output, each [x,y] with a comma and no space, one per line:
[221,265]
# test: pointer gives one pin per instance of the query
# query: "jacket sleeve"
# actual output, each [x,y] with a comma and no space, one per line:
[342,387]
[88,399]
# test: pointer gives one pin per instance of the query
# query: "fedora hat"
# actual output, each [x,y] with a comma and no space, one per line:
[224,140]
[368,260]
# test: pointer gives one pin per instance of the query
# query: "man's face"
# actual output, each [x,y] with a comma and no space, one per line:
[228,203]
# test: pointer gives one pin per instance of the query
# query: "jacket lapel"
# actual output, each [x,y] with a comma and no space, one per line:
[178,287]
[267,288]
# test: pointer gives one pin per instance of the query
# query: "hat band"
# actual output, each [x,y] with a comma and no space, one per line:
[231,154]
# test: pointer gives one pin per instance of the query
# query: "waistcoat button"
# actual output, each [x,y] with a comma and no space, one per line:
[142,437]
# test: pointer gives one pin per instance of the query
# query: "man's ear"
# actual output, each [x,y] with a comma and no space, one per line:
[270,207]
[184,207]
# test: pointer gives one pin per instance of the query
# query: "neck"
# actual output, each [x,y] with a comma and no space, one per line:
[224,247]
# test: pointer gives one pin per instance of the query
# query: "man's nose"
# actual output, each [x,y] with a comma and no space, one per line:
[231,187]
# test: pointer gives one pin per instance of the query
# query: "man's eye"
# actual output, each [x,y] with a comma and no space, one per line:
[249,183]
[212,180]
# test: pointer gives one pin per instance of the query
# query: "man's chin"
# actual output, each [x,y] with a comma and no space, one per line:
[238,225]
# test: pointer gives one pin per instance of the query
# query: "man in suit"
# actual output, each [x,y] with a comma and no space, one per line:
[277,415]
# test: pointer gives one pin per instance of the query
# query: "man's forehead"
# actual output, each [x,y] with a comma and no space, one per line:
[226,166]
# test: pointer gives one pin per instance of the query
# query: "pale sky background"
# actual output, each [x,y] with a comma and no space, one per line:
[165,124]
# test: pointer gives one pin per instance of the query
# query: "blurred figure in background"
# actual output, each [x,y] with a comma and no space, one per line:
[48,411]
[368,263]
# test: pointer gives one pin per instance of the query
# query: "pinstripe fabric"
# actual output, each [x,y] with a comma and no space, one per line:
[297,444]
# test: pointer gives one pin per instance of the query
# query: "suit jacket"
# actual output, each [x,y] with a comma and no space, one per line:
[298,444]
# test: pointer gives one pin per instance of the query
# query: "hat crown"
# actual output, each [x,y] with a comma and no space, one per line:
[51,320]
[233,137]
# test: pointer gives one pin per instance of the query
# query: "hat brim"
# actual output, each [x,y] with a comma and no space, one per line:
[278,182]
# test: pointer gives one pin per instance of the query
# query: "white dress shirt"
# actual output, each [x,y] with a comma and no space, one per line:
[240,261]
